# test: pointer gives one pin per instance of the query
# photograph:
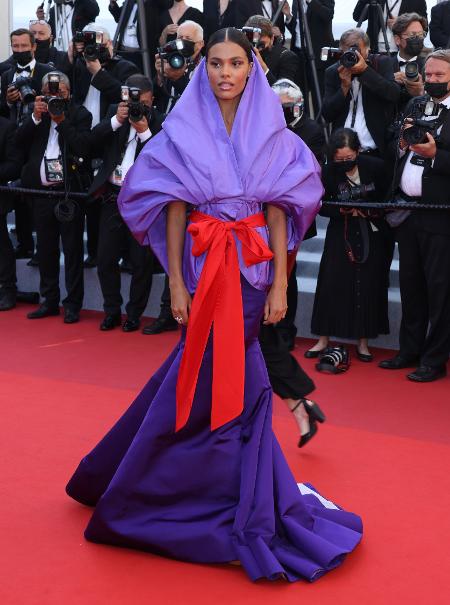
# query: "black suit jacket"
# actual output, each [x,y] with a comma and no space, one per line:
[319,15]
[84,12]
[108,81]
[282,63]
[11,159]
[109,144]
[373,28]
[440,25]
[236,14]
[312,135]
[7,77]
[74,133]
[435,180]
[379,93]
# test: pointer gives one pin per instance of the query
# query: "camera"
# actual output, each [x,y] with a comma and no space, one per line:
[334,360]
[347,58]
[55,105]
[254,36]
[412,71]
[349,193]
[132,97]
[92,41]
[177,52]
[25,87]
[417,133]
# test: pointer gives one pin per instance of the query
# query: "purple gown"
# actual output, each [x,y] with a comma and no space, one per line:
[228,494]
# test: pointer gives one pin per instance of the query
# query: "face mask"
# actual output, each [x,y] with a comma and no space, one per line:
[437,90]
[42,48]
[346,166]
[414,46]
[23,57]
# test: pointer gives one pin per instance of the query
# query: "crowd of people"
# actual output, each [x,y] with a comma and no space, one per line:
[75,116]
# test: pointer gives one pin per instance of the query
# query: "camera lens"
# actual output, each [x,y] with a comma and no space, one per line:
[176,61]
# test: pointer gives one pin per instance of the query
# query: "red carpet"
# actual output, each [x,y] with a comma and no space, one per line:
[384,453]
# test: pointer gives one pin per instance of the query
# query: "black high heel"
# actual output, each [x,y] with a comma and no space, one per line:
[315,414]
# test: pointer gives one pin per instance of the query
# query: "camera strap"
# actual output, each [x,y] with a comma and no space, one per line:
[355,99]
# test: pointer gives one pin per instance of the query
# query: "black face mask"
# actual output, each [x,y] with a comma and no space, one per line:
[23,57]
[437,90]
[42,48]
[414,46]
[343,167]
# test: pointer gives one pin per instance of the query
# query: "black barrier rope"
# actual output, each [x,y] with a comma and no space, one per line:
[361,204]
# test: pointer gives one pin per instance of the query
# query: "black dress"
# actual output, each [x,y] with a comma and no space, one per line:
[190,14]
[351,298]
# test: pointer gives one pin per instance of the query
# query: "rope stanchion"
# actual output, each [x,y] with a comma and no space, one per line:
[386,205]
[42,192]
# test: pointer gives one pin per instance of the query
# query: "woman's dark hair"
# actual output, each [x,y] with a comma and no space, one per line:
[230,34]
[342,137]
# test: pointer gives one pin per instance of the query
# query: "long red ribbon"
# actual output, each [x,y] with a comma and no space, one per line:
[218,301]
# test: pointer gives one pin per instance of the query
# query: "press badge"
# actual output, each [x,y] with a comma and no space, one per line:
[117,176]
[418,160]
[54,171]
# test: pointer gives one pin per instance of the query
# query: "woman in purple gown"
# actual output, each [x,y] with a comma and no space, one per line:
[192,470]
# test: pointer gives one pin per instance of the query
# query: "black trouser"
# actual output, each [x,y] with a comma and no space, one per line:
[287,378]
[24,222]
[93,210]
[286,327]
[425,292]
[8,277]
[114,236]
[49,232]
[166,309]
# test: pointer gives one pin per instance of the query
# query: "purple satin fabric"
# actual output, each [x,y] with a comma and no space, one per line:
[210,496]
[193,159]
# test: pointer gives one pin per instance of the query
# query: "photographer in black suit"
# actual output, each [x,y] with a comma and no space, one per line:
[57,137]
[277,62]
[76,13]
[391,10]
[19,84]
[10,166]
[424,235]
[120,137]
[440,25]
[362,97]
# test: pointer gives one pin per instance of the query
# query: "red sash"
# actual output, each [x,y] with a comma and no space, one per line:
[218,300]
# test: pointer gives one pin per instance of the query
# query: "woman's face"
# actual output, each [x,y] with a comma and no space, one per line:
[345,153]
[228,69]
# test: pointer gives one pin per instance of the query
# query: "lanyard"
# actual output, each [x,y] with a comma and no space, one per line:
[355,99]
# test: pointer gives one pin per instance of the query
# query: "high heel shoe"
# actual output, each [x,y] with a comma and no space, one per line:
[366,357]
[315,414]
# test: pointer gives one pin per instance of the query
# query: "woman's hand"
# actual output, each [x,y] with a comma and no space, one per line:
[276,304]
[180,302]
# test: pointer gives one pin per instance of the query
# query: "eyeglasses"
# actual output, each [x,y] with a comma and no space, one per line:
[421,35]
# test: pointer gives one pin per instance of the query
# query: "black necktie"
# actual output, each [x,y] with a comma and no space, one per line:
[402,63]
[20,70]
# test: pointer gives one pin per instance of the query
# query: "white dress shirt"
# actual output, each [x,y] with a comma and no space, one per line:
[130,38]
[394,8]
[359,125]
[92,104]
[130,151]
[53,151]
[411,181]
[64,32]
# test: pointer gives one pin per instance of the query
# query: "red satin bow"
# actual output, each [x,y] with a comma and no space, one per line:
[218,300]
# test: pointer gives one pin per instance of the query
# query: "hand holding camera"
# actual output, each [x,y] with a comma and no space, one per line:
[360,66]
[12,94]
[122,112]
[40,107]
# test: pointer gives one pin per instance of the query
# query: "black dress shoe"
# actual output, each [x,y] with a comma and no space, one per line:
[71,316]
[90,262]
[312,354]
[44,310]
[21,252]
[110,322]
[7,301]
[366,357]
[162,324]
[131,325]
[427,373]
[31,298]
[399,362]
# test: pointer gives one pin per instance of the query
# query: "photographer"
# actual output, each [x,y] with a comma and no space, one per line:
[391,10]
[170,84]
[57,136]
[119,138]
[362,93]
[277,62]
[423,236]
[76,14]
[409,32]
[351,298]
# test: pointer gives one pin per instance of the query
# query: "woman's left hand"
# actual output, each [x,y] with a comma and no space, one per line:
[276,305]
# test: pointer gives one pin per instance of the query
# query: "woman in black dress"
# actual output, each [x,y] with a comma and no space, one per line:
[176,15]
[352,289]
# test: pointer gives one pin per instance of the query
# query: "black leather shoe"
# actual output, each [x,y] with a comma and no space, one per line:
[21,252]
[7,301]
[90,262]
[427,373]
[31,298]
[366,357]
[110,322]
[312,354]
[399,362]
[71,316]
[131,325]
[44,310]
[162,324]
